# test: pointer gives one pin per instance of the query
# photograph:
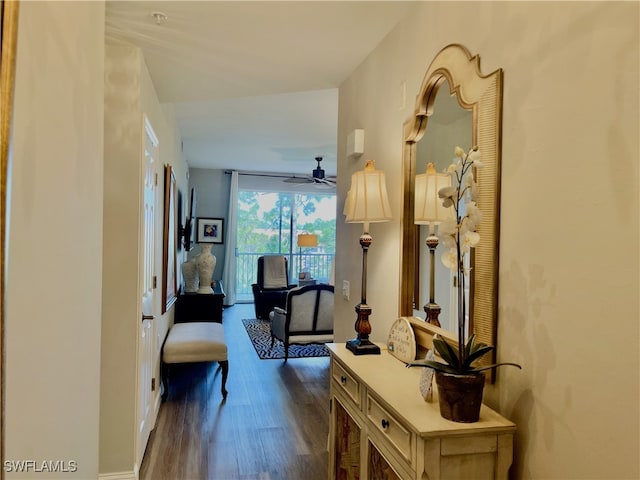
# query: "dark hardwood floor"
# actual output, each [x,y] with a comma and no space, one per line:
[273,425]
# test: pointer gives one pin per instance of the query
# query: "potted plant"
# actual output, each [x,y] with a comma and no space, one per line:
[460,382]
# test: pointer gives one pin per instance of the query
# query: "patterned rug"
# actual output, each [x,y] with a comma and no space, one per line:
[260,335]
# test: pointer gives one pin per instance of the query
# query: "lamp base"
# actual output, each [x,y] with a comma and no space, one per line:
[363,347]
[433,311]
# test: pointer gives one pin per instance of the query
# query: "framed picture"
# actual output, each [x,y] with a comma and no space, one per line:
[189,227]
[209,230]
[170,240]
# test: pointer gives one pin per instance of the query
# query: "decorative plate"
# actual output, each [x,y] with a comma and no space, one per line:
[402,341]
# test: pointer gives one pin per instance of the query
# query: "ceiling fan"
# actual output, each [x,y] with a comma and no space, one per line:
[317,176]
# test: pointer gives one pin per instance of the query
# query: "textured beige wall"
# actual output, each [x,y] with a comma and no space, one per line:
[122,153]
[568,294]
[55,262]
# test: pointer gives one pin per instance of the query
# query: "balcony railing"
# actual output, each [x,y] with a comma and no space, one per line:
[317,264]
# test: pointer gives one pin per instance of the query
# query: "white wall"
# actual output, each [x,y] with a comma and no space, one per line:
[212,201]
[129,94]
[568,293]
[55,257]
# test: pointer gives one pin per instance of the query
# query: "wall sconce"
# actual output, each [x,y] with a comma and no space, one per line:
[429,211]
[367,202]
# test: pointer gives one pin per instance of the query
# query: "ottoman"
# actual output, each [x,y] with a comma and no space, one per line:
[195,342]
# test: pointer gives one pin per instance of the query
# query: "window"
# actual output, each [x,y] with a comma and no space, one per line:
[269,222]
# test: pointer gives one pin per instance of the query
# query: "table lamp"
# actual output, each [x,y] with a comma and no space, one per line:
[366,203]
[305,240]
[429,211]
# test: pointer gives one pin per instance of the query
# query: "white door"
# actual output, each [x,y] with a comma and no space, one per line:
[146,383]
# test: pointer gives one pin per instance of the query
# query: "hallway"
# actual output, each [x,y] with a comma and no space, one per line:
[273,425]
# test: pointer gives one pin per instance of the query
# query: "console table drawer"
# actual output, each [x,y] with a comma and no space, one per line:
[390,427]
[348,384]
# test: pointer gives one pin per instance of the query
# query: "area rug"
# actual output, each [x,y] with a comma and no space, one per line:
[260,336]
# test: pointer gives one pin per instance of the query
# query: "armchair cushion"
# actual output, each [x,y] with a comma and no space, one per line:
[272,284]
[274,272]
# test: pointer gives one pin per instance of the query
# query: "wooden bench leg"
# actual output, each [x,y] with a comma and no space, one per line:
[224,365]
[164,378]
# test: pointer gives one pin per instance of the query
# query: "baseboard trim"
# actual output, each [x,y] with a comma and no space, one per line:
[118,476]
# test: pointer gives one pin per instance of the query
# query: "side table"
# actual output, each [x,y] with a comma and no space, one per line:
[200,307]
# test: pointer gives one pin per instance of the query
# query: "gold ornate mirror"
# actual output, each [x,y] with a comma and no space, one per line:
[454,72]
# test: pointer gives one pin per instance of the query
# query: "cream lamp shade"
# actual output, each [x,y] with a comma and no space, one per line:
[428,207]
[307,240]
[367,200]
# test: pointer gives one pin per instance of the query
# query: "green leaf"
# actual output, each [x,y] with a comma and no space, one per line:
[487,367]
[468,348]
[438,366]
[479,352]
[447,352]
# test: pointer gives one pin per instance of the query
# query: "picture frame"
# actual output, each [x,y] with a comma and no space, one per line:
[189,228]
[170,240]
[210,230]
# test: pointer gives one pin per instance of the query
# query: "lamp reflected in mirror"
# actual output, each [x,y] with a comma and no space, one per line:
[449,124]
[430,211]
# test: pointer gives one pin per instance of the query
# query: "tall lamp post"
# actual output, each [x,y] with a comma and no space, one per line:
[367,202]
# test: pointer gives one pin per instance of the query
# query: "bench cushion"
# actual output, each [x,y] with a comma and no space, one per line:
[195,342]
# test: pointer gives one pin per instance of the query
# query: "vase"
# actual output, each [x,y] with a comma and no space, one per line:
[190,275]
[206,263]
[460,396]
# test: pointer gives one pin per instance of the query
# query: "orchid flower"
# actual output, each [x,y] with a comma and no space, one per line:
[460,235]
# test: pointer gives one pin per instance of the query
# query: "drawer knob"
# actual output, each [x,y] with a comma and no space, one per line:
[343,379]
[385,423]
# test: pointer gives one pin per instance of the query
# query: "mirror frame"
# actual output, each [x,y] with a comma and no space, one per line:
[8,42]
[483,96]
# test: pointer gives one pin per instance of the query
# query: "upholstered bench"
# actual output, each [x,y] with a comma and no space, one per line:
[195,342]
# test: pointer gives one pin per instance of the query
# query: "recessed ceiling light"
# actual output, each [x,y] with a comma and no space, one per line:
[160,17]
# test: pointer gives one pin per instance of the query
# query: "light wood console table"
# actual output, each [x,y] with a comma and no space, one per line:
[381,427]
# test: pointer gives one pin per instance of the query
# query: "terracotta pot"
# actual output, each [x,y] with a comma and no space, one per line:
[460,396]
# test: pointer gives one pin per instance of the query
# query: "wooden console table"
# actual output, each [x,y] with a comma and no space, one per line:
[200,307]
[380,427]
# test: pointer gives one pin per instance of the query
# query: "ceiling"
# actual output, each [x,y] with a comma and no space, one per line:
[253,84]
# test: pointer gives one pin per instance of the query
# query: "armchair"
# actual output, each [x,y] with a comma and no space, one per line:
[272,285]
[307,318]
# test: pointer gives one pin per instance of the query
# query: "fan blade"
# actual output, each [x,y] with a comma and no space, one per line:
[298,180]
[325,182]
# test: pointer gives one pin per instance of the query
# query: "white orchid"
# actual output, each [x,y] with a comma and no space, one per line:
[460,235]
[469,240]
[449,196]
[472,218]
[447,232]
[450,258]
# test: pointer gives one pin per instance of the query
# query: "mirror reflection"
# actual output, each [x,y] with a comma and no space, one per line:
[449,125]
[453,76]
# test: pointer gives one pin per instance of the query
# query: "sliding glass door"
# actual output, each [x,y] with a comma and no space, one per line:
[269,223]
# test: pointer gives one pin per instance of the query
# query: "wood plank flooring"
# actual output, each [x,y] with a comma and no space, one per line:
[273,425]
